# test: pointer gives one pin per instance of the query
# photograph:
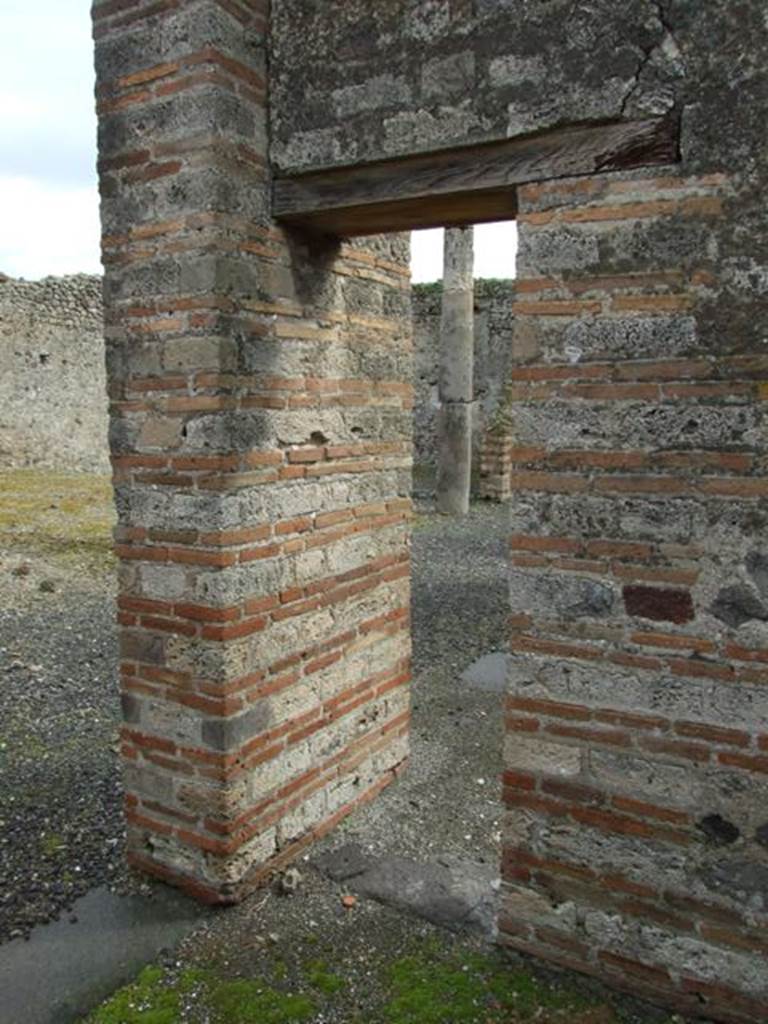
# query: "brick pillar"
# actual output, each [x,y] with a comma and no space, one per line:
[260,435]
[495,464]
[637,718]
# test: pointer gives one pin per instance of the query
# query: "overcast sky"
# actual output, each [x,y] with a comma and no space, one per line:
[49,220]
[48,200]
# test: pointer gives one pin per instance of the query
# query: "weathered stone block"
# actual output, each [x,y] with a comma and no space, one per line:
[447,77]
[535,755]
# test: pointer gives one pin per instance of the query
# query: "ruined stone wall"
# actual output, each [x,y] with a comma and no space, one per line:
[355,81]
[53,403]
[261,407]
[260,393]
[636,754]
[493,344]
[636,770]
[637,720]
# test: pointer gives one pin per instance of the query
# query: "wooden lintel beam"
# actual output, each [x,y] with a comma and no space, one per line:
[470,185]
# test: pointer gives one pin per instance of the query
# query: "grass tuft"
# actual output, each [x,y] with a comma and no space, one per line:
[64,517]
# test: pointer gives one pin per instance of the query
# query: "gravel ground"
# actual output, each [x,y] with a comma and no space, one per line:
[449,800]
[61,829]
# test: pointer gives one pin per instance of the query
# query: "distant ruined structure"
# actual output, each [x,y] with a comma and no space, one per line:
[53,398]
[258,164]
[493,354]
[53,405]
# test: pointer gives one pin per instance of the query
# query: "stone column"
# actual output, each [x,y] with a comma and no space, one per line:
[455,377]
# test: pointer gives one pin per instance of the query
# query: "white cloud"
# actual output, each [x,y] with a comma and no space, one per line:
[48,201]
[427,255]
[48,198]
[48,229]
[495,251]
[46,97]
[19,108]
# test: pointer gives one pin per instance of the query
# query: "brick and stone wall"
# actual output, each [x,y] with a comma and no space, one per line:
[496,462]
[261,407]
[260,383]
[52,370]
[353,82]
[53,404]
[493,344]
[637,719]
[633,447]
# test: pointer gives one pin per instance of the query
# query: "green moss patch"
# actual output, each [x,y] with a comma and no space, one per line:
[431,984]
[159,998]
[149,1000]
[324,980]
[436,987]
[52,845]
[251,1002]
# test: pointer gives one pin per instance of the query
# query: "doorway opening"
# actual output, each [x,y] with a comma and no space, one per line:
[494,259]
